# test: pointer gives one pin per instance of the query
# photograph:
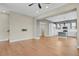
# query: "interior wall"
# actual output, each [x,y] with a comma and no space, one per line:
[17,23]
[3,27]
[52,30]
[42,26]
[77,25]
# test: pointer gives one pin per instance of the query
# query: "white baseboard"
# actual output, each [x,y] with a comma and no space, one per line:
[4,40]
[37,37]
[77,46]
[16,40]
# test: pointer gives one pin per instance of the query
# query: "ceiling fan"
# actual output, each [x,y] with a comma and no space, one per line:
[39,4]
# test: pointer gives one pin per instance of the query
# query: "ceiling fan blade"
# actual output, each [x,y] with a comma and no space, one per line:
[39,5]
[30,4]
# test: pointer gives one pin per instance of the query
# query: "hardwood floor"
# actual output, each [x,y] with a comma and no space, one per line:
[46,46]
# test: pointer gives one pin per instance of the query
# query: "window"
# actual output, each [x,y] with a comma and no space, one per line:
[74,25]
[68,25]
[62,25]
[54,25]
[58,26]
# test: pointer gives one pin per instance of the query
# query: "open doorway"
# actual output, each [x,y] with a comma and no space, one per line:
[63,30]
[64,25]
[59,30]
[3,27]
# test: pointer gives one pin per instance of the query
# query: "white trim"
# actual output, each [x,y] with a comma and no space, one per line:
[77,46]
[37,37]
[14,40]
[4,40]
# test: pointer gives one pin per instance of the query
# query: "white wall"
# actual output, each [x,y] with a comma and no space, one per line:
[52,30]
[42,26]
[3,27]
[77,25]
[17,23]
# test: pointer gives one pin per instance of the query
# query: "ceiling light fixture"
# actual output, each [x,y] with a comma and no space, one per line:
[4,11]
[37,11]
[46,6]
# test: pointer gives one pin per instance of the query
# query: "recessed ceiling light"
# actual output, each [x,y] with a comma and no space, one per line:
[4,11]
[46,6]
[37,11]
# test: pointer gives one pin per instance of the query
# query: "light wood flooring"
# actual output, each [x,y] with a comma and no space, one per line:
[45,46]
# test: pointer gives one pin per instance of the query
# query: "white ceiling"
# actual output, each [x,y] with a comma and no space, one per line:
[33,10]
[67,16]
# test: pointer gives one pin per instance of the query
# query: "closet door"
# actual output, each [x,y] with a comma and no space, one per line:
[43,28]
[3,27]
